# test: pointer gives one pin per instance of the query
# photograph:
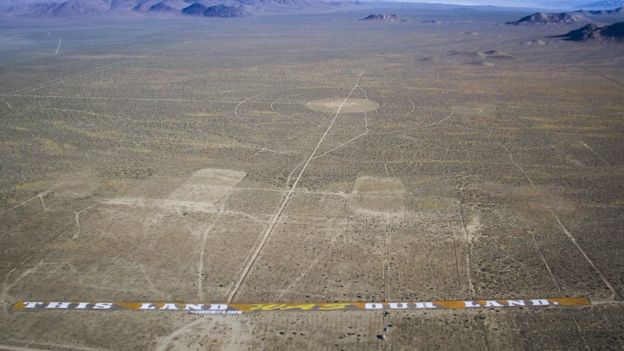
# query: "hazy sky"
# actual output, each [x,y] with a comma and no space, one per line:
[556,4]
[529,3]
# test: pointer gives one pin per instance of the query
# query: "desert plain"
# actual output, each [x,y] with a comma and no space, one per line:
[311,159]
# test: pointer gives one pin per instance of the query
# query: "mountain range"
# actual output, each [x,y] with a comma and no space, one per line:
[207,8]
[603,5]
[617,11]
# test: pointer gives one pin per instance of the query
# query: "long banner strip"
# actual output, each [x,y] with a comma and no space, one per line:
[240,308]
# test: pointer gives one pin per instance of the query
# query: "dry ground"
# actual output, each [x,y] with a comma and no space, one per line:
[313,158]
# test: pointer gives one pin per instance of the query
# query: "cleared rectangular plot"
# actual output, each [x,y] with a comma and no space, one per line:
[378,196]
[209,185]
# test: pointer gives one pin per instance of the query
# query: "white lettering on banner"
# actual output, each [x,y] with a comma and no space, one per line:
[216,312]
[32,304]
[147,306]
[169,306]
[373,306]
[398,305]
[60,305]
[425,305]
[220,308]
[103,306]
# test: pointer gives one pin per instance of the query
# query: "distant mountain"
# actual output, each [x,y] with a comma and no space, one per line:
[551,18]
[195,9]
[618,11]
[159,6]
[256,6]
[205,8]
[603,5]
[382,18]
[591,32]
[162,7]
[225,11]
[122,4]
[68,8]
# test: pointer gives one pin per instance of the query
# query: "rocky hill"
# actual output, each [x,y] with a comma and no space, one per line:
[592,32]
[225,11]
[551,18]
[382,18]
[195,9]
[160,6]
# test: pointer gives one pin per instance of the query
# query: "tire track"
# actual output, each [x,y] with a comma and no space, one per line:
[614,292]
[277,214]
[58,45]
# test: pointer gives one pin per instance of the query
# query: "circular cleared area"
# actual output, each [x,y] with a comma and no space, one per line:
[350,106]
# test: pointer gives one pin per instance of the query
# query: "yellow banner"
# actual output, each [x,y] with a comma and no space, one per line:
[239,308]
